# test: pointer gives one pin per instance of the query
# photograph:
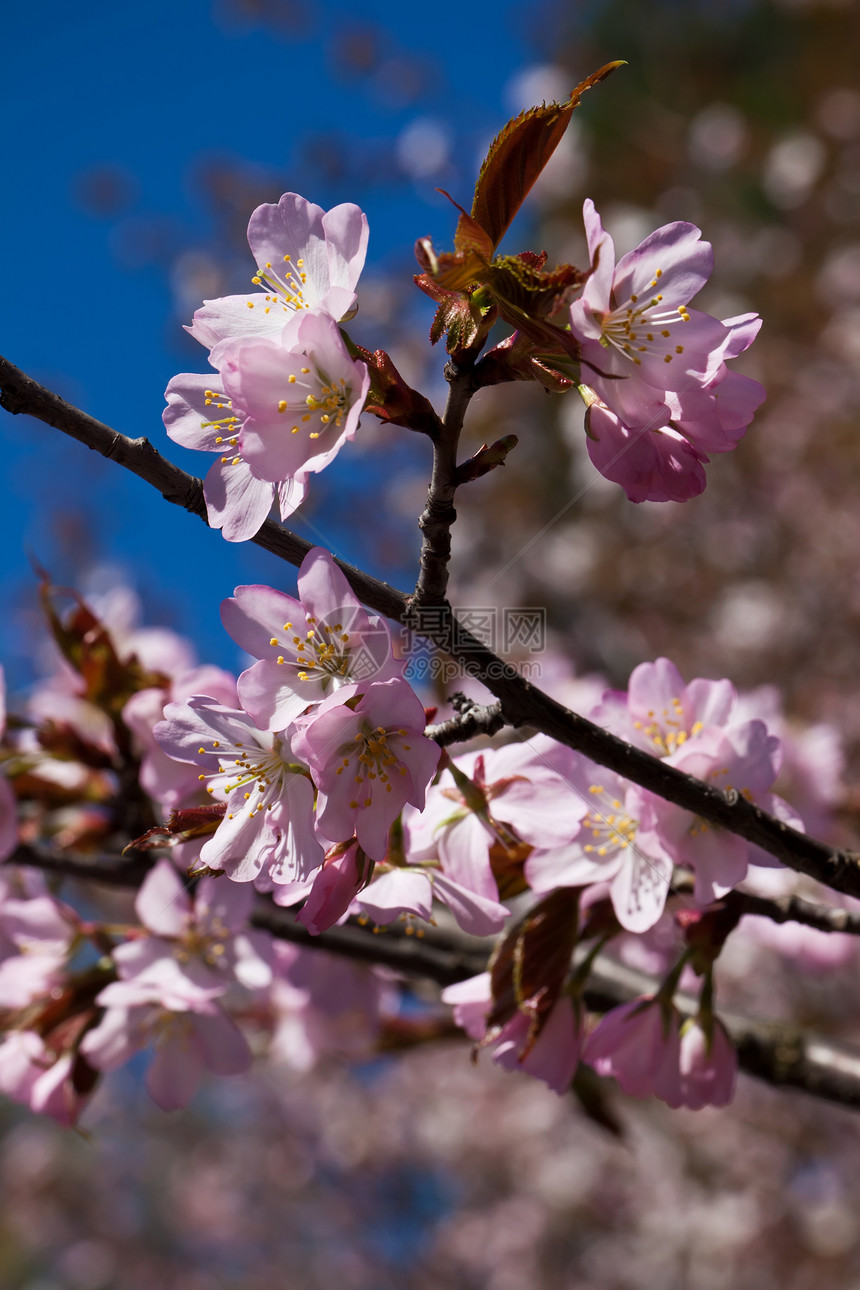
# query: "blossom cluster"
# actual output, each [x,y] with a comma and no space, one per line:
[659,396]
[287,395]
[309,782]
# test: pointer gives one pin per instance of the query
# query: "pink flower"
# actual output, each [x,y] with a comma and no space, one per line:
[186,1044]
[659,394]
[368,761]
[652,464]
[708,1069]
[659,712]
[552,1056]
[411,891]
[638,1043]
[32,1074]
[268,828]
[744,759]
[616,844]
[281,409]
[336,884]
[634,322]
[308,648]
[36,937]
[195,950]
[513,796]
[651,1052]
[307,258]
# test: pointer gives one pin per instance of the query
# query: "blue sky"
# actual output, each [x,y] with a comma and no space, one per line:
[146,90]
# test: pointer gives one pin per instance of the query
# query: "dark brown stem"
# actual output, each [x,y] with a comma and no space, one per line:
[439,514]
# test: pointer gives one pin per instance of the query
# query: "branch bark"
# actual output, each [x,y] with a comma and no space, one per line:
[521,704]
[439,514]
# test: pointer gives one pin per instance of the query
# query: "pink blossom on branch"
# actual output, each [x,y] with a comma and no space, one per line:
[552,1056]
[281,409]
[368,759]
[196,948]
[267,832]
[307,258]
[308,648]
[659,712]
[656,385]
[186,1044]
[646,1046]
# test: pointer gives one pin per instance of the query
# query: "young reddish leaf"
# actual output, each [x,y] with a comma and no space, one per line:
[392,400]
[517,156]
[529,968]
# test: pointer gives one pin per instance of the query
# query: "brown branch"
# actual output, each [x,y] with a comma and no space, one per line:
[472,719]
[439,514]
[778,1053]
[796,909]
[522,705]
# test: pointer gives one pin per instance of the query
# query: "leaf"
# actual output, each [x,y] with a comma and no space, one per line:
[530,966]
[392,400]
[517,157]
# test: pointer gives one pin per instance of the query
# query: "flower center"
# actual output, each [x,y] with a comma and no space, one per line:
[609,825]
[260,772]
[668,732]
[642,327]
[326,403]
[323,654]
[206,943]
[285,285]
[373,761]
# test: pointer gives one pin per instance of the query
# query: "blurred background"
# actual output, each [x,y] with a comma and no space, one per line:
[136,144]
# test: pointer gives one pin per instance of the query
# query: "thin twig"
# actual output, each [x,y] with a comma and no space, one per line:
[439,514]
[796,909]
[473,720]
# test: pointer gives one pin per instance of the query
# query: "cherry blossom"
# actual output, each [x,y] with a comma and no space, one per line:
[707,1067]
[281,408]
[32,1074]
[268,828]
[503,796]
[368,761]
[639,1044]
[411,890]
[186,1043]
[552,1056]
[308,648]
[196,949]
[659,712]
[307,259]
[36,936]
[633,320]
[617,842]
[658,393]
[742,759]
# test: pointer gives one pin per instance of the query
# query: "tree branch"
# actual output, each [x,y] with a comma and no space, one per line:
[522,705]
[796,909]
[780,1054]
[472,719]
[439,514]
